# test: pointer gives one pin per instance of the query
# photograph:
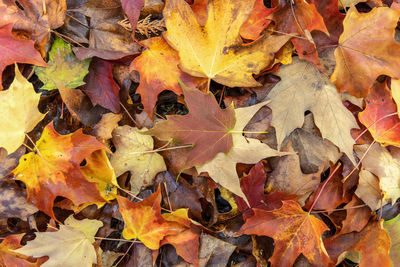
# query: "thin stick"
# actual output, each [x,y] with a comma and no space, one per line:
[359,163]
[129,115]
[62,36]
[77,20]
[28,147]
[123,256]
[354,207]
[222,94]
[117,239]
[384,117]
[161,149]
[323,186]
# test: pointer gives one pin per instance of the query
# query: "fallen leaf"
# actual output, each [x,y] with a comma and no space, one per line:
[300,18]
[19,112]
[13,201]
[257,21]
[213,251]
[204,54]
[330,194]
[105,31]
[134,153]
[373,233]
[143,220]
[103,129]
[303,87]
[288,177]
[333,19]
[65,69]
[294,231]
[53,169]
[369,190]
[360,59]
[208,130]
[132,11]
[74,237]
[380,162]
[379,117]
[9,258]
[35,18]
[222,168]
[313,150]
[100,85]
[158,68]
[343,4]
[392,227]
[356,217]
[99,171]
[80,106]
[18,50]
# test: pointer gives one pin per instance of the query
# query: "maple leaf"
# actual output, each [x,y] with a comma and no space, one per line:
[134,153]
[74,242]
[18,50]
[19,112]
[36,19]
[373,233]
[300,17]
[303,87]
[294,231]
[392,226]
[53,169]
[343,4]
[360,59]
[100,85]
[143,220]
[208,129]
[381,163]
[103,129]
[257,21]
[9,258]
[158,68]
[222,168]
[377,117]
[202,51]
[65,69]
[356,218]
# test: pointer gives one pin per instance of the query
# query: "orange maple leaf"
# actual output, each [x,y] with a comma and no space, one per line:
[294,232]
[384,127]
[53,169]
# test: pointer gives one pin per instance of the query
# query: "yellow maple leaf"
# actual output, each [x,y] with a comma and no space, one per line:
[216,50]
[19,112]
[72,245]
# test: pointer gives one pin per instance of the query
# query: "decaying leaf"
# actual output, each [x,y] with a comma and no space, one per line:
[303,87]
[383,165]
[202,51]
[135,154]
[75,237]
[19,112]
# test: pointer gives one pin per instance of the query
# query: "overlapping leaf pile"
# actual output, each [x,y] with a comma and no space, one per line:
[209,133]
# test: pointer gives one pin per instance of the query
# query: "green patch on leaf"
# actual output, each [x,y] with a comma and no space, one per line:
[65,68]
